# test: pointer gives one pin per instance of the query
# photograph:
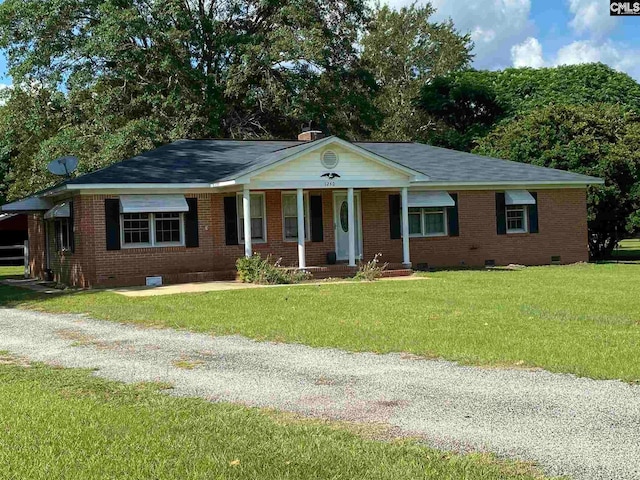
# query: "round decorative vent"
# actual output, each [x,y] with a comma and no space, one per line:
[330,159]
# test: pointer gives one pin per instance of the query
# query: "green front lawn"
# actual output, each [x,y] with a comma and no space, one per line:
[627,250]
[9,272]
[582,319]
[57,424]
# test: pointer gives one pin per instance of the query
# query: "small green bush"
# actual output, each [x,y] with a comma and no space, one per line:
[256,269]
[371,270]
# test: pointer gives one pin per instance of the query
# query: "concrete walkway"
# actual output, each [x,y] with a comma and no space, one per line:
[221,286]
[571,426]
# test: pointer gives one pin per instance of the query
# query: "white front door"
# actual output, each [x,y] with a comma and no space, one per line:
[341,225]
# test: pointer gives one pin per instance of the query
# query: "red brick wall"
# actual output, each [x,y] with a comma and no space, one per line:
[562,220]
[177,264]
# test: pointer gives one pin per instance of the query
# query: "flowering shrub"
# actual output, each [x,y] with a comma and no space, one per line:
[371,270]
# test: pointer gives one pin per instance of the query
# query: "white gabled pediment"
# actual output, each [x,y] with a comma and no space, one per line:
[354,164]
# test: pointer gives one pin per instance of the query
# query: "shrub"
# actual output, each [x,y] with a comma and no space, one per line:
[371,270]
[256,269]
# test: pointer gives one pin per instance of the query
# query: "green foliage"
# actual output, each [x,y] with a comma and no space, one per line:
[601,140]
[136,74]
[466,105]
[405,49]
[466,108]
[257,270]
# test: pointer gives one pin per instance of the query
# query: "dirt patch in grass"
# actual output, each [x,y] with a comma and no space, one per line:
[6,359]
[81,339]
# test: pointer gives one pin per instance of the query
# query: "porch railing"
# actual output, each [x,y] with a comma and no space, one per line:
[24,249]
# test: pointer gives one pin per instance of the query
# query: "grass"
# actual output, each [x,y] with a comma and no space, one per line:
[581,319]
[627,250]
[11,272]
[64,423]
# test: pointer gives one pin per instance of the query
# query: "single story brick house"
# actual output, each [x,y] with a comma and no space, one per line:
[186,211]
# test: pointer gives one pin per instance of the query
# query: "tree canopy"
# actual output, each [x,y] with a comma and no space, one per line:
[466,105]
[405,49]
[127,75]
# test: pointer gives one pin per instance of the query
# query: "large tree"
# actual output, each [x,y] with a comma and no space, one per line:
[405,49]
[239,68]
[137,73]
[465,106]
[601,140]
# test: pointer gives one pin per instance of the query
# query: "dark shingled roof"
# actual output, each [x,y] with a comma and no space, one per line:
[209,161]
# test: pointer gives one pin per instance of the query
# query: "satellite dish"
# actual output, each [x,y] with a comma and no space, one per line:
[64,166]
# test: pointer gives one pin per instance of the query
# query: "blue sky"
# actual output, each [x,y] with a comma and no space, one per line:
[535,33]
[538,33]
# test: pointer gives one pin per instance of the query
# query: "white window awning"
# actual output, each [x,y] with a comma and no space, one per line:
[61,210]
[430,199]
[153,203]
[518,197]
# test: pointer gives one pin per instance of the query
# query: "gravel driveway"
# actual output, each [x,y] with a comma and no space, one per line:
[571,426]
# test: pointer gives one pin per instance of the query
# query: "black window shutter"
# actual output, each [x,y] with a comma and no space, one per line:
[452,217]
[501,213]
[191,239]
[112,220]
[72,236]
[317,230]
[394,217]
[533,215]
[231,220]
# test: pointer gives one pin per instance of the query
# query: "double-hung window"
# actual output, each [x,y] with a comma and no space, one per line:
[427,221]
[290,217]
[258,218]
[168,228]
[517,219]
[63,233]
[152,229]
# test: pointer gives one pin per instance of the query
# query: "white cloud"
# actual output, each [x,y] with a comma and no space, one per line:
[613,54]
[494,25]
[504,34]
[527,54]
[592,17]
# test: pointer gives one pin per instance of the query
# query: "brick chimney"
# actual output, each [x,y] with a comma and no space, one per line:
[310,136]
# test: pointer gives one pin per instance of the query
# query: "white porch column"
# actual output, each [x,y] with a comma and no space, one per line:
[406,260]
[246,214]
[352,227]
[302,262]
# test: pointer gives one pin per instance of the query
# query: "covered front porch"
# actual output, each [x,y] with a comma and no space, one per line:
[298,223]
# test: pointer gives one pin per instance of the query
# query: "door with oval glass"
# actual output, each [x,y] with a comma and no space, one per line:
[341,225]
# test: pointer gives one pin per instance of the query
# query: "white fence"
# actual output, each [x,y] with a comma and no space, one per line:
[24,257]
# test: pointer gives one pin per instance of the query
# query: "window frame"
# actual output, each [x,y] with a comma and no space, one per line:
[307,217]
[58,236]
[240,220]
[181,228]
[152,233]
[423,214]
[525,219]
